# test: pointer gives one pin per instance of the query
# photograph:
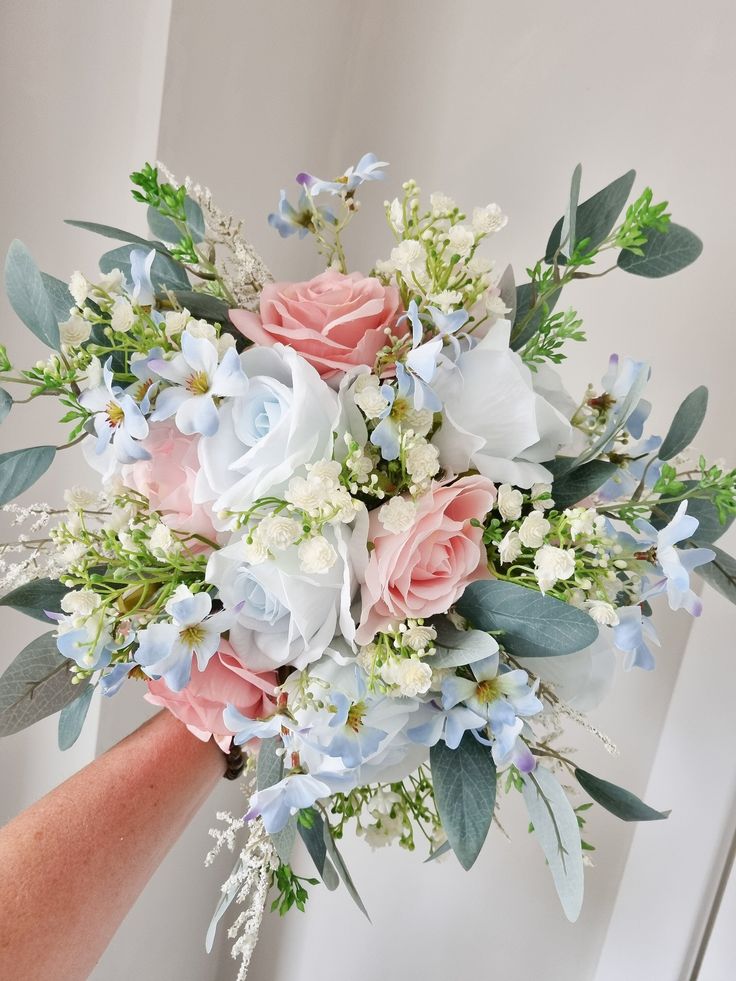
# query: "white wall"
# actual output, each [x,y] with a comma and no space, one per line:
[487,101]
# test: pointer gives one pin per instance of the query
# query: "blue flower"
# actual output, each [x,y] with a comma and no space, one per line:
[117,419]
[166,649]
[623,383]
[196,378]
[90,645]
[276,804]
[246,729]
[288,220]
[676,564]
[141,262]
[447,724]
[112,681]
[366,169]
[631,634]
[638,464]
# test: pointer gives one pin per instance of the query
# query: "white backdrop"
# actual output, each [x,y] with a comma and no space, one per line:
[486,101]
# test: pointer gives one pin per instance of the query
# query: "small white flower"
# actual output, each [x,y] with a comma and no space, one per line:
[539,500]
[419,637]
[71,554]
[441,204]
[409,259]
[582,522]
[370,401]
[384,267]
[487,220]
[422,461]
[603,613]
[255,552]
[461,240]
[74,331]
[396,215]
[223,343]
[552,564]
[175,321]
[509,548]
[120,517]
[418,420]
[479,265]
[327,471]
[397,515]
[92,376]
[162,543]
[306,495]
[495,307]
[79,288]
[316,555]
[411,676]
[447,299]
[111,282]
[122,316]
[509,502]
[76,498]
[80,602]
[533,530]
[278,531]
[202,328]
[361,466]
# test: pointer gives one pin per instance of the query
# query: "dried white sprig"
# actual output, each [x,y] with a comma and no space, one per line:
[243,271]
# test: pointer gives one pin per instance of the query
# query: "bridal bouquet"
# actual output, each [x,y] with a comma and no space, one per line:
[355,525]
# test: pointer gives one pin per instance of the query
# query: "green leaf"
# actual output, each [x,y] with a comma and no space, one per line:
[688,420]
[595,217]
[567,235]
[664,253]
[36,597]
[720,573]
[574,486]
[28,296]
[556,829]
[20,469]
[6,404]
[72,716]
[533,625]
[618,801]
[58,293]
[465,792]
[166,273]
[166,230]
[342,869]
[109,231]
[458,647]
[203,306]
[315,839]
[443,849]
[37,683]
[270,770]
[524,294]
[710,527]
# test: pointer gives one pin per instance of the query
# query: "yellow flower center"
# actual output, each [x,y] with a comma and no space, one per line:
[193,635]
[355,716]
[115,414]
[488,691]
[198,383]
[400,408]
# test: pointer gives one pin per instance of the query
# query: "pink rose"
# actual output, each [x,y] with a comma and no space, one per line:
[167,479]
[334,321]
[425,569]
[223,682]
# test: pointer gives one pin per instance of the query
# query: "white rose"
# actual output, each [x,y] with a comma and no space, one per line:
[316,555]
[603,613]
[418,420]
[122,316]
[278,531]
[397,515]
[494,420]
[202,328]
[79,288]
[533,530]
[487,220]
[74,331]
[509,502]
[175,321]
[553,564]
[461,239]
[509,548]
[422,461]
[412,676]
[540,500]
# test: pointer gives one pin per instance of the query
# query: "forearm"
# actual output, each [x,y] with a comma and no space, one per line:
[74,863]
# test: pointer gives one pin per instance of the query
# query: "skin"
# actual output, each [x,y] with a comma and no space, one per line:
[60,863]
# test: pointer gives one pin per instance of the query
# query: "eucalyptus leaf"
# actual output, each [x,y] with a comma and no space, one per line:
[573,487]
[567,235]
[465,793]
[203,306]
[6,404]
[37,683]
[269,770]
[618,801]
[710,527]
[720,573]
[556,829]
[166,273]
[507,291]
[664,253]
[686,424]
[109,231]
[458,647]
[315,841]
[72,716]
[20,469]
[596,217]
[443,849]
[36,597]
[225,901]
[28,296]
[165,229]
[533,625]
[524,331]
[342,869]
[58,293]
